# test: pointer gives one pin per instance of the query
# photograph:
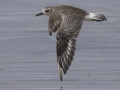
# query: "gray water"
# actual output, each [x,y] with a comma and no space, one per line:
[28,53]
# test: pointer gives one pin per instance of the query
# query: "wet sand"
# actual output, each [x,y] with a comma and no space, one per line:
[28,55]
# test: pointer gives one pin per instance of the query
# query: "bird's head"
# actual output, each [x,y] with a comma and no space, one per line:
[46,11]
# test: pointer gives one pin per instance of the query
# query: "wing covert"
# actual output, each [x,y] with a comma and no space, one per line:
[54,24]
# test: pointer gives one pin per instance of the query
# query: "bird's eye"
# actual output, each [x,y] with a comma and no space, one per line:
[46,10]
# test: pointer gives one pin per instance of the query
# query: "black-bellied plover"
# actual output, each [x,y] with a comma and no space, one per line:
[67,21]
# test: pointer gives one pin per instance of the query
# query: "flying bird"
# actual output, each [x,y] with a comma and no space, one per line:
[67,21]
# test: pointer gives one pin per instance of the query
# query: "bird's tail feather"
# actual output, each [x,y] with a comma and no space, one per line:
[95,17]
[60,72]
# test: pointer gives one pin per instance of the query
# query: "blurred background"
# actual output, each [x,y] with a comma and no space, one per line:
[28,53]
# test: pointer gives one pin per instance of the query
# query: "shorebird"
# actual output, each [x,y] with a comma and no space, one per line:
[67,21]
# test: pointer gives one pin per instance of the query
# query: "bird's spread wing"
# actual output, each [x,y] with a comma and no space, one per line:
[65,52]
[66,41]
[54,24]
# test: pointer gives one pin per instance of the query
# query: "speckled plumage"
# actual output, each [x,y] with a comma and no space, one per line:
[67,21]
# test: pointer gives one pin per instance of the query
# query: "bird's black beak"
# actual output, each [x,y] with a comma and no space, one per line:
[40,14]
